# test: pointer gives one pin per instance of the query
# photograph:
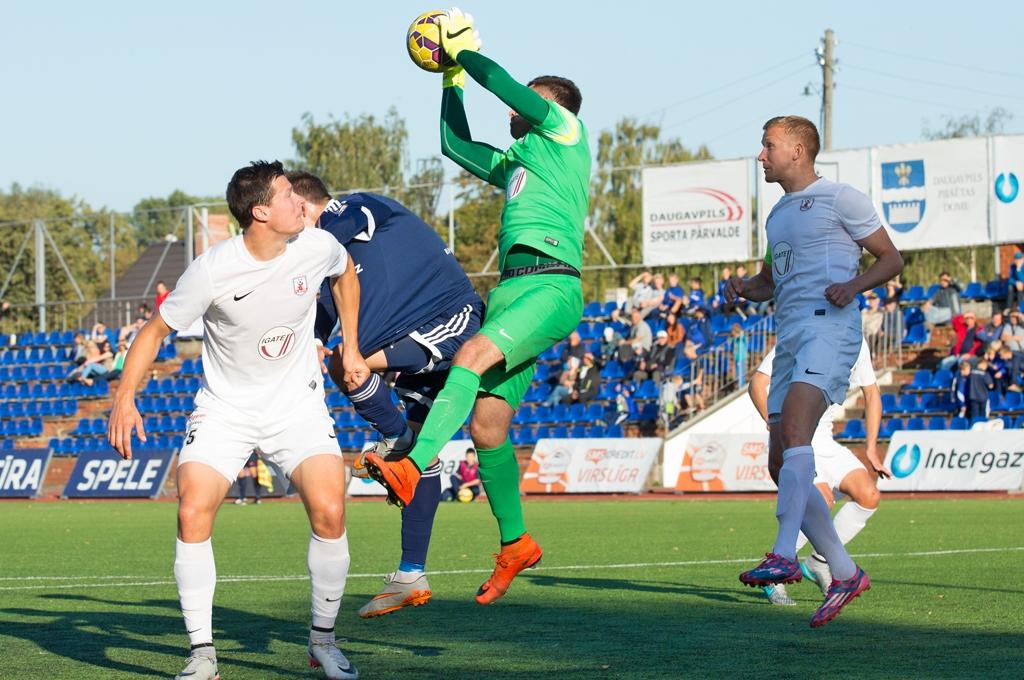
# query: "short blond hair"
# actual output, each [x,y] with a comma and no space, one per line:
[797,126]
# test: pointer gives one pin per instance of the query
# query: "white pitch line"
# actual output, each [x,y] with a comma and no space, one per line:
[451,572]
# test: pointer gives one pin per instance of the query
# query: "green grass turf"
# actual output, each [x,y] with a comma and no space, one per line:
[943,616]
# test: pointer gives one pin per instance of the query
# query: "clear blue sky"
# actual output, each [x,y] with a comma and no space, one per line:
[116,101]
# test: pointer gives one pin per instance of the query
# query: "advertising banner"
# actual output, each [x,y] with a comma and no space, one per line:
[22,472]
[933,194]
[453,453]
[590,465]
[104,474]
[1006,199]
[955,461]
[717,462]
[697,212]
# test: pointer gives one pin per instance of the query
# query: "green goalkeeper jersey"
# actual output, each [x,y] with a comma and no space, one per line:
[545,174]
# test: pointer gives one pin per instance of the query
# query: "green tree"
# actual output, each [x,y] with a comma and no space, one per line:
[971,125]
[155,217]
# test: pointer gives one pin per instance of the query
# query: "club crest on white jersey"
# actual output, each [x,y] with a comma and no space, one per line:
[299,285]
[276,343]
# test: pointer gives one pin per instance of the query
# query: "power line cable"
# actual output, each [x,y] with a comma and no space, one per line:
[857,88]
[920,81]
[931,60]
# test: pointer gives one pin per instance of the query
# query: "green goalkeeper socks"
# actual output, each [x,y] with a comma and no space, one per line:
[499,471]
[446,416]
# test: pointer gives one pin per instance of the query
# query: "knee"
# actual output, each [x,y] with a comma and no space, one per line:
[195,522]
[792,435]
[327,520]
[486,436]
[869,497]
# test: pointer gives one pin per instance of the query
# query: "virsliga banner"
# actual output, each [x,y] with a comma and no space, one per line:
[453,453]
[955,461]
[590,465]
[104,474]
[697,212]
[933,194]
[717,462]
[22,472]
[1006,200]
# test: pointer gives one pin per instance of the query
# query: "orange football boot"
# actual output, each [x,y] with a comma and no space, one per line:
[399,477]
[523,554]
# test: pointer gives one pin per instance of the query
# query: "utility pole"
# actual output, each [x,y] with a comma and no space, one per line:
[827,62]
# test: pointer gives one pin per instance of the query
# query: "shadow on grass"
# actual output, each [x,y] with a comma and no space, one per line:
[568,627]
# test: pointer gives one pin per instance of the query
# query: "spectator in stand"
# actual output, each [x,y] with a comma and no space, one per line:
[639,331]
[692,388]
[1013,334]
[572,353]
[128,333]
[162,291]
[467,476]
[892,322]
[726,275]
[97,365]
[624,407]
[643,293]
[675,330]
[1012,366]
[701,330]
[1016,282]
[80,351]
[999,367]
[695,298]
[145,311]
[658,362]
[894,288]
[970,390]
[99,332]
[616,321]
[739,353]
[668,400]
[944,303]
[872,316]
[610,341]
[588,381]
[967,341]
[674,297]
[560,392]
[993,330]
[650,306]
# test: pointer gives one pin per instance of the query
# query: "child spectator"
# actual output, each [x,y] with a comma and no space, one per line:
[674,298]
[695,298]
[467,476]
[739,353]
[1016,282]
[624,407]
[970,390]
[668,400]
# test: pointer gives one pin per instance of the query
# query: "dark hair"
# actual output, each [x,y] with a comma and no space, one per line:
[251,186]
[309,186]
[801,128]
[564,91]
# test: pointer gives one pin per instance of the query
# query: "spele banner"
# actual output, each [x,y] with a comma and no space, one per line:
[972,460]
[717,462]
[590,465]
[104,474]
[697,212]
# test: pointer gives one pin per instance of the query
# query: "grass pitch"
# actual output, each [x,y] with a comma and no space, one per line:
[626,590]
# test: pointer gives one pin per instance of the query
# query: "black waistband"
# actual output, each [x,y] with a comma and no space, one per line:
[545,268]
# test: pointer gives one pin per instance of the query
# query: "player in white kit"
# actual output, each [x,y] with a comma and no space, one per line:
[838,472]
[815,235]
[262,388]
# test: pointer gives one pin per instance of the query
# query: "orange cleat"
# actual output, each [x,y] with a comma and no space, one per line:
[523,554]
[399,477]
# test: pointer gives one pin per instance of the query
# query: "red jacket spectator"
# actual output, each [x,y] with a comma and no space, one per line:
[967,341]
[161,293]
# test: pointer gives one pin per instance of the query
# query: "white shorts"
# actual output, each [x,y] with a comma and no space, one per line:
[832,462]
[225,444]
[818,352]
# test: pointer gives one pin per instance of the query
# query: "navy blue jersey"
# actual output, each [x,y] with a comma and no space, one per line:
[407,275]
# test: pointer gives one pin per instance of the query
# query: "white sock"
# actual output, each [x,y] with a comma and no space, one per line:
[819,528]
[796,482]
[328,561]
[196,574]
[850,519]
[801,541]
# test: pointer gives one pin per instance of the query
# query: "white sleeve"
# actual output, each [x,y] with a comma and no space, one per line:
[337,261]
[766,363]
[191,297]
[863,371]
[857,213]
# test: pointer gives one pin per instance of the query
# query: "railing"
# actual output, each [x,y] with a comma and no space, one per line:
[66,315]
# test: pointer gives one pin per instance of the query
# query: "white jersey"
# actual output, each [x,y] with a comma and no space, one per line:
[812,238]
[259,359]
[862,375]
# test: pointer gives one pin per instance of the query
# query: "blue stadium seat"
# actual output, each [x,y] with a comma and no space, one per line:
[936,423]
[543,414]
[595,412]
[179,424]
[915,424]
[612,371]
[606,393]
[974,291]
[166,424]
[996,289]
[914,294]
[186,368]
[543,432]
[1012,401]
[82,428]
[942,380]
[916,335]
[98,426]
[527,436]
[1018,424]
[592,310]
[854,429]
[152,424]
[523,415]
[560,432]
[596,431]
[648,390]
[995,401]
[560,414]
[578,432]
[907,404]
[649,412]
[922,380]
[889,404]
[613,432]
[609,307]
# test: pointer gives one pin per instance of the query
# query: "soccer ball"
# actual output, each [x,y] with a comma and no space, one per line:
[465,495]
[424,43]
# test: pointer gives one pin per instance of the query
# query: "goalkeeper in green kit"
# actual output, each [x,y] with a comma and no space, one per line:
[539,299]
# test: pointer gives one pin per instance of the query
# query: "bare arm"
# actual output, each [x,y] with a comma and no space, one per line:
[758,391]
[873,420]
[757,288]
[123,415]
[888,263]
[345,290]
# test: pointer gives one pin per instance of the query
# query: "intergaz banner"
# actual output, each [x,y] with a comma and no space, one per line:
[1007,200]
[697,212]
[933,194]
[453,453]
[22,472]
[955,461]
[717,462]
[590,465]
[104,474]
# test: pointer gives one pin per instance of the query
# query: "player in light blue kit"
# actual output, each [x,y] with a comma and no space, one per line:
[816,233]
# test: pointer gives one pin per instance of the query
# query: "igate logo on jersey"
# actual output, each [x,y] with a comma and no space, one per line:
[782,259]
[516,183]
[276,343]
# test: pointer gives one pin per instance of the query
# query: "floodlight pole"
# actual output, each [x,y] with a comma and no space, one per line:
[40,273]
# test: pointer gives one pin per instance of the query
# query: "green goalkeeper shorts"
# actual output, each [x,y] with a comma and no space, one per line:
[525,316]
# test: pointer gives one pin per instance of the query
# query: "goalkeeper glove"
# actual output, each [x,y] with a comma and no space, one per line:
[457,33]
[454,77]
